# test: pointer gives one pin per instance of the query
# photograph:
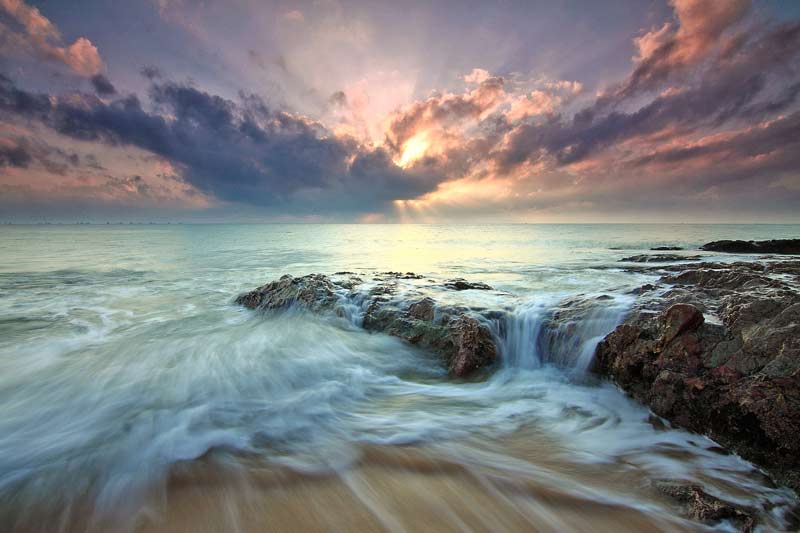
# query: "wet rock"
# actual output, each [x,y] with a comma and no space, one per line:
[383,288]
[680,318]
[666,248]
[423,309]
[314,291]
[701,506]
[643,289]
[658,258]
[459,284]
[775,246]
[731,279]
[737,378]
[463,341]
[401,275]
[474,344]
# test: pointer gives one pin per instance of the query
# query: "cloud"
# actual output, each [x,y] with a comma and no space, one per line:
[102,85]
[736,88]
[668,50]
[20,149]
[678,130]
[150,72]
[237,151]
[544,101]
[339,98]
[37,37]
[295,16]
[705,110]
[13,154]
[477,76]
[773,141]
[437,123]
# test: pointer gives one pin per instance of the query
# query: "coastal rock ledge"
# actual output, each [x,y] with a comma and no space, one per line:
[462,338]
[715,348]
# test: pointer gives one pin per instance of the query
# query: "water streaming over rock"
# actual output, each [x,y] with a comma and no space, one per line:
[559,331]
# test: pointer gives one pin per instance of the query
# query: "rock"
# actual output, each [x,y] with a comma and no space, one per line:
[680,318]
[314,291]
[423,309]
[474,344]
[658,258]
[647,287]
[737,380]
[776,246]
[464,342]
[400,275]
[459,284]
[703,507]
[666,248]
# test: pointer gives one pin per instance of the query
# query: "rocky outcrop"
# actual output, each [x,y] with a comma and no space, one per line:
[666,248]
[315,292]
[712,347]
[716,349]
[459,336]
[460,284]
[775,246]
[658,258]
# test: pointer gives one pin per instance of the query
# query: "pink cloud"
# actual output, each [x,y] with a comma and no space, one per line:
[41,39]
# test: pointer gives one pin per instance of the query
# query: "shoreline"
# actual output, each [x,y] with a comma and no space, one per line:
[634,470]
[735,378]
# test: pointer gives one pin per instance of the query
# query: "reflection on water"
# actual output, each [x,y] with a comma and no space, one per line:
[135,395]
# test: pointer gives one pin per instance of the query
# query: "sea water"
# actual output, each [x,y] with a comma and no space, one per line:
[122,355]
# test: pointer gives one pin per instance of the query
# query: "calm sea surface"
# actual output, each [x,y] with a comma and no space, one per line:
[122,355]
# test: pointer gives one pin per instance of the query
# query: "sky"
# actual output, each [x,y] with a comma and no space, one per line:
[393,111]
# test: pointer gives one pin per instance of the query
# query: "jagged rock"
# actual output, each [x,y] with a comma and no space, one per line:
[703,507]
[737,380]
[459,284]
[463,341]
[775,246]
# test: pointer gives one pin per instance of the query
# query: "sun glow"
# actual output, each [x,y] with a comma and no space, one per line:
[413,149]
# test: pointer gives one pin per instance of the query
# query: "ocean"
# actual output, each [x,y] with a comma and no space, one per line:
[129,378]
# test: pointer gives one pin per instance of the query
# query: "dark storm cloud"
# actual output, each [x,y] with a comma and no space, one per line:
[150,72]
[781,136]
[102,85]
[21,102]
[238,151]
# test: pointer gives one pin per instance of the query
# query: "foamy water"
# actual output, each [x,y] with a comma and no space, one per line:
[122,355]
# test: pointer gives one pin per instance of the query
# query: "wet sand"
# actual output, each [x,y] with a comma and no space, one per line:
[523,482]
[401,489]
